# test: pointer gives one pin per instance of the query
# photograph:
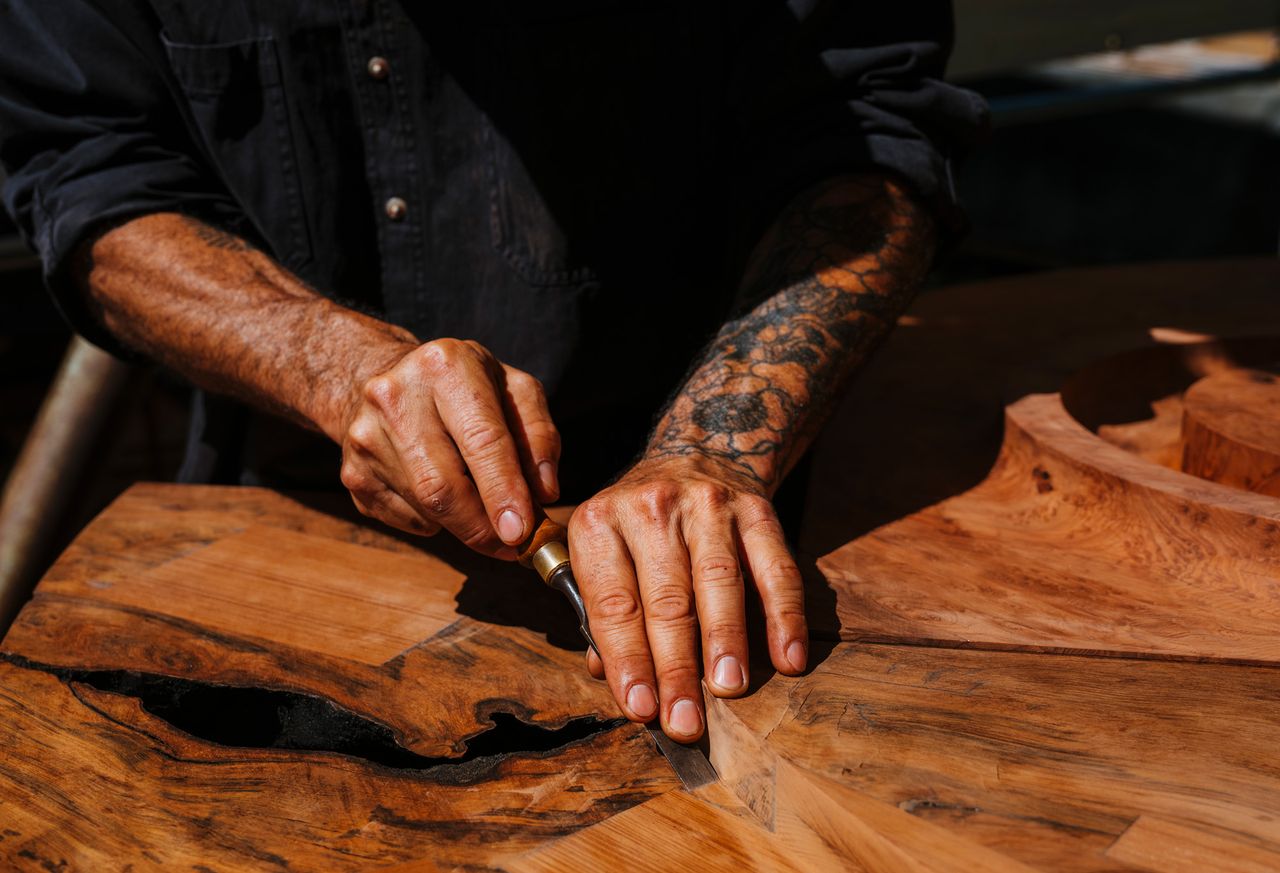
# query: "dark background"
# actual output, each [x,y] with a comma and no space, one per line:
[1167,151]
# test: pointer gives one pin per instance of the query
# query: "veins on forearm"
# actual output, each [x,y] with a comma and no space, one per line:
[210,306]
[834,272]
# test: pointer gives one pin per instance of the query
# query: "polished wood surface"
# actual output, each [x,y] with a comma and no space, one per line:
[1040,643]
[1231,430]
[432,734]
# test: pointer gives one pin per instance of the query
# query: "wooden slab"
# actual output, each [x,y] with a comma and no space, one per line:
[1073,544]
[1231,430]
[191,727]
[673,831]
[1045,760]
[1166,846]
[393,708]
[309,592]
[924,421]
[125,785]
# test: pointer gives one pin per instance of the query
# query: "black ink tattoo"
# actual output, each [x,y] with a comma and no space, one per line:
[834,273]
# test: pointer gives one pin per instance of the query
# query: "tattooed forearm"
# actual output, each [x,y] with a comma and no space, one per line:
[834,273]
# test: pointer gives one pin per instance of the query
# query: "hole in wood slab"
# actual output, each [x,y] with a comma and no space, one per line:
[260,718]
[1134,399]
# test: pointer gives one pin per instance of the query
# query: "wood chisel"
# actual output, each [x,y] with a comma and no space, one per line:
[546,551]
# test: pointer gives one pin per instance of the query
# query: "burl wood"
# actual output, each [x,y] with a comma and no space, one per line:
[1044,571]
[1231,430]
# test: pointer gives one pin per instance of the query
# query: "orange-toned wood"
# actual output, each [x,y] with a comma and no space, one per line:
[1166,846]
[1073,544]
[362,751]
[457,728]
[675,831]
[304,591]
[1045,760]
[545,531]
[1231,430]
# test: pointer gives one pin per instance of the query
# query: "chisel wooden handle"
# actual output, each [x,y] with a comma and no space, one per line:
[547,548]
[547,551]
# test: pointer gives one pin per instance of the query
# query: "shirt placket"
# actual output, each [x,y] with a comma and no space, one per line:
[383,51]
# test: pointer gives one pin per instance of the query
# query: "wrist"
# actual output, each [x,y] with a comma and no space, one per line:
[682,460]
[367,349]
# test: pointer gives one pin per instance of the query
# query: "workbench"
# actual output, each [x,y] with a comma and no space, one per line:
[1042,549]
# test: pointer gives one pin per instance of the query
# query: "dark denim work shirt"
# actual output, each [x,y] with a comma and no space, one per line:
[572,183]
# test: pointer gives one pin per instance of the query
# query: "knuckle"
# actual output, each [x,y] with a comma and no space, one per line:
[617,606]
[669,603]
[590,518]
[479,538]
[363,434]
[677,670]
[781,571]
[710,495]
[658,499]
[762,521]
[435,493]
[713,569]
[382,391]
[722,635]
[521,382]
[439,355]
[482,437]
[353,478]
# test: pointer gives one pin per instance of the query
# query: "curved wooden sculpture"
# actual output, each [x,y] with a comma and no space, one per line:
[1046,606]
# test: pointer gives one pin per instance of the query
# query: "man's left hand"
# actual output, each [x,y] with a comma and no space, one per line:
[661,557]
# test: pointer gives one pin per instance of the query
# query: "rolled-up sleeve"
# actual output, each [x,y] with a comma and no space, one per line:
[829,87]
[90,134]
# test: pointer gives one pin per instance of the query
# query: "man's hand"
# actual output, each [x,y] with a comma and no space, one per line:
[661,558]
[449,437]
[434,435]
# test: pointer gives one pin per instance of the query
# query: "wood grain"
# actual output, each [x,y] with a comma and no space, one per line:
[1073,544]
[234,679]
[126,787]
[1167,846]
[300,590]
[1044,759]
[673,832]
[131,787]
[1231,430]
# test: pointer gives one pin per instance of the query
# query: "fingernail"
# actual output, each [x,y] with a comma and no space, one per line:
[641,701]
[684,717]
[547,476]
[797,655]
[510,527]
[729,674]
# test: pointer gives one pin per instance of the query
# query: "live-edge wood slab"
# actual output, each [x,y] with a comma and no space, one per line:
[165,716]
[433,740]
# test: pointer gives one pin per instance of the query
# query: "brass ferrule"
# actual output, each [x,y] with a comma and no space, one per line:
[551,557]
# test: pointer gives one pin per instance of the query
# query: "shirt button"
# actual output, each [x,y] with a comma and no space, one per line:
[396,208]
[379,68]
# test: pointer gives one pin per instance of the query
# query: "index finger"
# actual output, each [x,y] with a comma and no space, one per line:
[470,406]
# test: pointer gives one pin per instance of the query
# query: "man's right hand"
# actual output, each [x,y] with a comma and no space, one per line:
[449,436]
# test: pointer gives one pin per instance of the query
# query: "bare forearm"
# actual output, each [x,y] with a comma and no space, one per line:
[210,306]
[834,272]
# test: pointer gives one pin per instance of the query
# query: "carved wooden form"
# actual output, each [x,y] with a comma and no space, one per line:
[1047,610]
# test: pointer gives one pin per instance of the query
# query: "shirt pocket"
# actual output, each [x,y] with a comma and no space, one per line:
[238,102]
